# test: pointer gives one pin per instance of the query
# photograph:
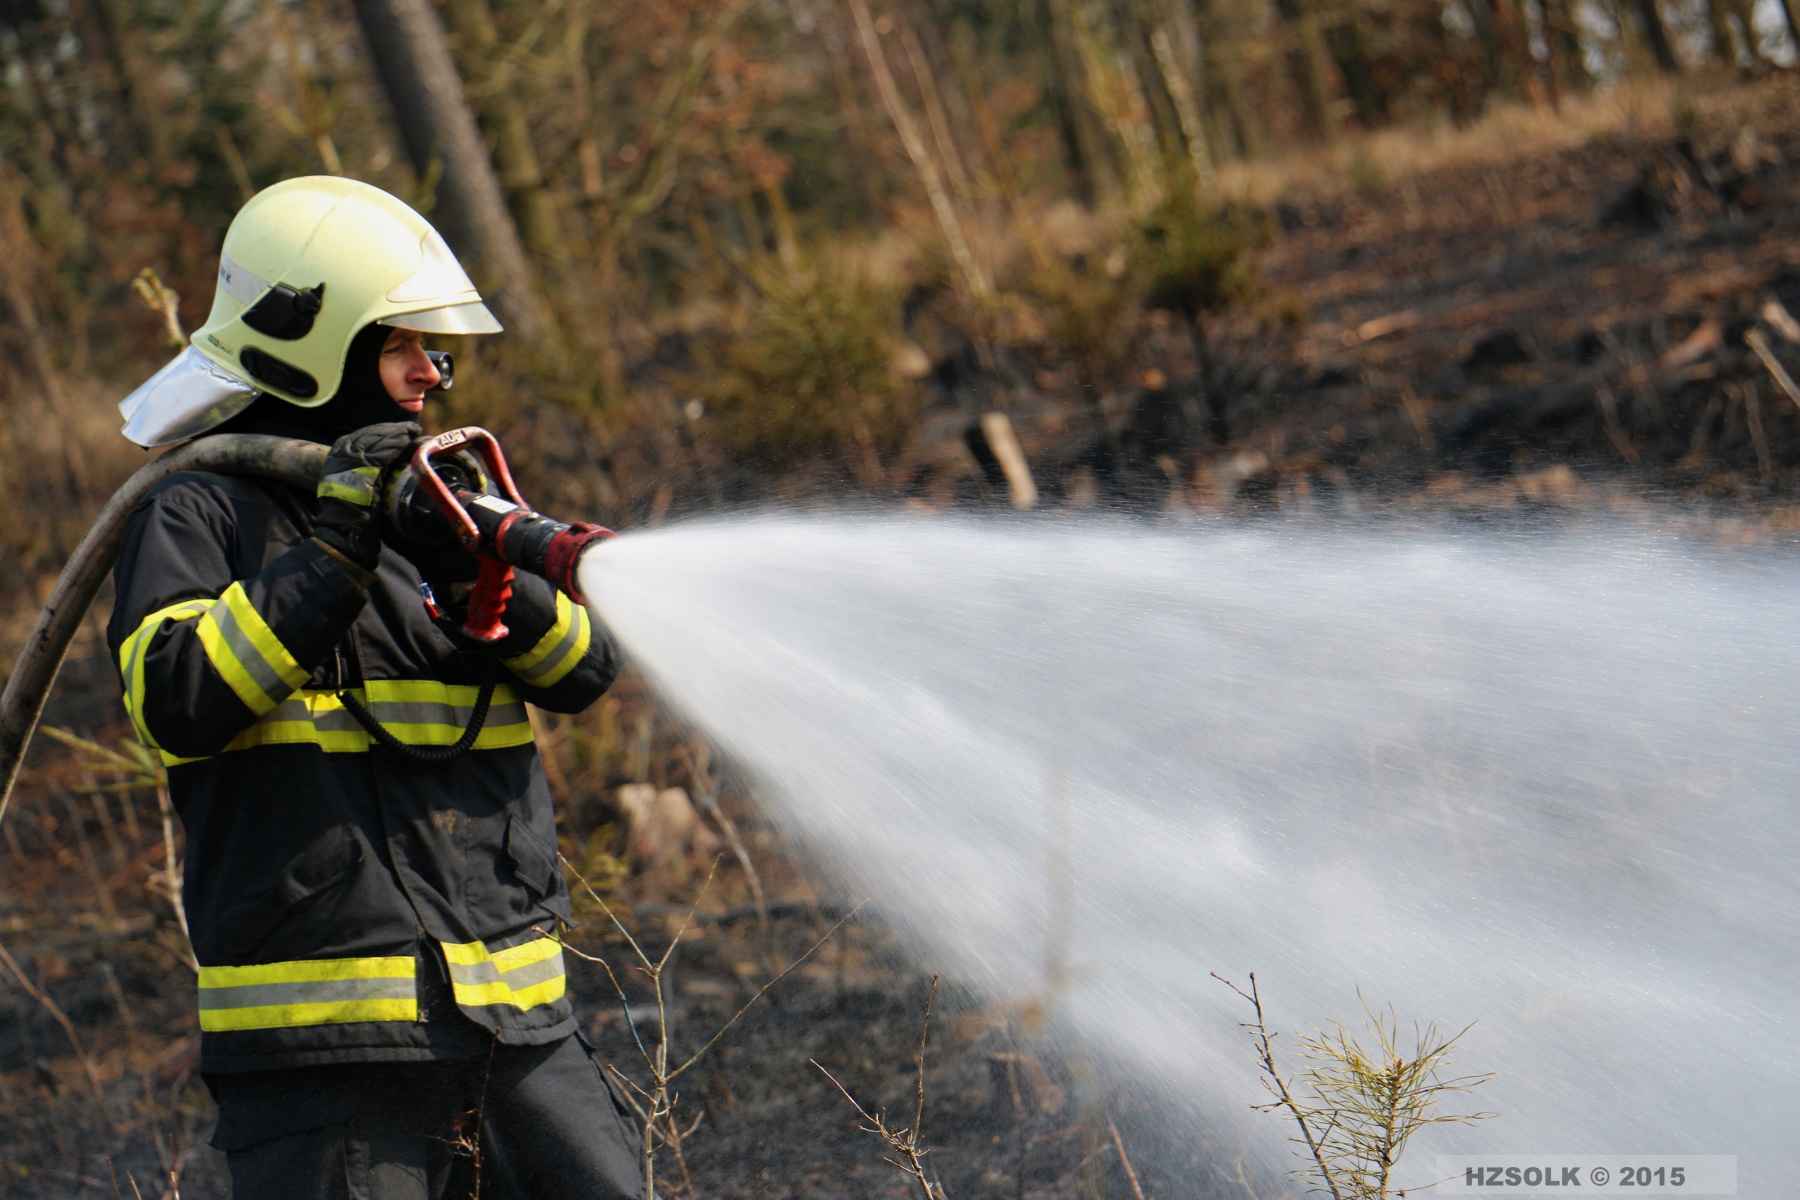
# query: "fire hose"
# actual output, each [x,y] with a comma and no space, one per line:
[455,486]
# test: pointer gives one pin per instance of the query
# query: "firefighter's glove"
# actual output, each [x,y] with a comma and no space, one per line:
[350,487]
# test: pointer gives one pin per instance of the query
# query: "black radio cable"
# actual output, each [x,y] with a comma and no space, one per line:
[422,754]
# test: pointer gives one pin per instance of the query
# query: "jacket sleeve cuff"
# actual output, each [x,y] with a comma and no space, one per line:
[545,659]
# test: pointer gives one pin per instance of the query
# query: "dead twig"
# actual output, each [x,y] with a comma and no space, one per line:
[655,1105]
[1273,1081]
[1131,1177]
[764,990]
[136,768]
[706,787]
[50,1006]
[1759,437]
[910,1154]
[171,876]
[162,300]
[1609,415]
[177,1164]
[1757,342]
[77,825]
[929,171]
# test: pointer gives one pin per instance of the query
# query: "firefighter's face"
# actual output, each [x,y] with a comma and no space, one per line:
[406,372]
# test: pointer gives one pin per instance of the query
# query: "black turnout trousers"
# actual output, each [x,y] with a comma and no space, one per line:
[544,1119]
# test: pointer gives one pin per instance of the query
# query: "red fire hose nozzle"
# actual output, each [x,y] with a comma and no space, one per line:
[503,530]
[563,559]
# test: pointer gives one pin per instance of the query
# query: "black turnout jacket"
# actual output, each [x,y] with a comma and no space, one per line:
[347,904]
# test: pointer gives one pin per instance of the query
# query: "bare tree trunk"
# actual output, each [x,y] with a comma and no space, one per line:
[1309,62]
[1791,10]
[1718,22]
[407,47]
[137,77]
[1223,64]
[854,127]
[1349,49]
[1747,29]
[472,23]
[1568,60]
[950,153]
[1175,42]
[975,281]
[1657,33]
[1514,45]
[1136,28]
[1083,141]
[1006,174]
[1117,95]
[1177,80]
[1489,34]
[17,286]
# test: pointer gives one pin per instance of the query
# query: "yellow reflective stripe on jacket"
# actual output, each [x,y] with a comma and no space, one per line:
[557,652]
[420,712]
[247,654]
[522,977]
[134,649]
[316,991]
[424,712]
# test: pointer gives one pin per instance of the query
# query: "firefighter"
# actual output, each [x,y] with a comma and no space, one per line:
[383,1007]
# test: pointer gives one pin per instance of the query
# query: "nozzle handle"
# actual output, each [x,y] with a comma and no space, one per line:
[487,448]
[487,603]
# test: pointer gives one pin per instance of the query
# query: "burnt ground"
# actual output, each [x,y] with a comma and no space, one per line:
[1003,1115]
[1552,329]
[1584,305]
[1525,329]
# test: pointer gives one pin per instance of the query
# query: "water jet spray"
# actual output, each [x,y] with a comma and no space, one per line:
[1537,780]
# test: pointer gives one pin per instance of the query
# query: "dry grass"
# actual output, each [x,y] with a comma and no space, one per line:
[1633,109]
[57,463]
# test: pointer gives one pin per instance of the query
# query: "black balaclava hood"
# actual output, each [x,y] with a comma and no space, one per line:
[361,399]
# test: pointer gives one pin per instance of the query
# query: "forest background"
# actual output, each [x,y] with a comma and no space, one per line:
[1203,259]
[749,247]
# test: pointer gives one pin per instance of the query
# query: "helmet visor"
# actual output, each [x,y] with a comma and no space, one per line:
[473,317]
[189,396]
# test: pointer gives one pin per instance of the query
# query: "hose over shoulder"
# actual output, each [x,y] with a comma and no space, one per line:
[41,658]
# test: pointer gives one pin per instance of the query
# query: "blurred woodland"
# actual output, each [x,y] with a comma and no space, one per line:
[753,249]
[1205,259]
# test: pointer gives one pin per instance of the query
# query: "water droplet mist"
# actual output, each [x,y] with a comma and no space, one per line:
[1545,782]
